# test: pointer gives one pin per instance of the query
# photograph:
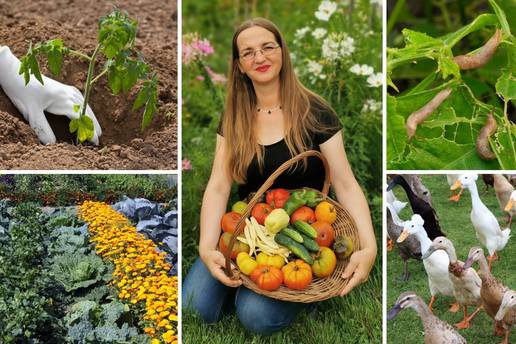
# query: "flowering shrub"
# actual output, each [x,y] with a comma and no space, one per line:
[140,272]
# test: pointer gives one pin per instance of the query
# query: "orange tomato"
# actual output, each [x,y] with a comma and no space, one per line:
[237,247]
[229,221]
[325,233]
[297,274]
[325,211]
[267,277]
[324,263]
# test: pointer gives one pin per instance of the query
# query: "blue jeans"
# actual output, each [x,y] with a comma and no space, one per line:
[211,300]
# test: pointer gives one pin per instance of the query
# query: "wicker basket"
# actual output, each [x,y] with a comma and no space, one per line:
[320,288]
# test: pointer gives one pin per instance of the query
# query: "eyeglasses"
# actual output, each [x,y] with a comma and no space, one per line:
[266,50]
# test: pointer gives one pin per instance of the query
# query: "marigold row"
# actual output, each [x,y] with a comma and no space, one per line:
[140,270]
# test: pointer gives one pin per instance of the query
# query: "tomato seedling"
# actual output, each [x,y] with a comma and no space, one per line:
[124,67]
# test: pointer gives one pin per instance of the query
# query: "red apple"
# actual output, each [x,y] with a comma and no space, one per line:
[260,212]
[229,221]
[325,233]
[237,247]
[304,214]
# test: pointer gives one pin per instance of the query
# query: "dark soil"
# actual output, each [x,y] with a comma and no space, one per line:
[122,145]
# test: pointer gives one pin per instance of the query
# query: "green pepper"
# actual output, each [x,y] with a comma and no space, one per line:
[295,201]
[312,198]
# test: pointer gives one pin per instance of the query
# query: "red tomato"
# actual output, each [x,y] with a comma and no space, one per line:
[267,277]
[260,212]
[229,221]
[325,233]
[304,214]
[277,198]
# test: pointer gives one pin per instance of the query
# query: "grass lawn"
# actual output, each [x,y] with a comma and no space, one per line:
[456,224]
[353,319]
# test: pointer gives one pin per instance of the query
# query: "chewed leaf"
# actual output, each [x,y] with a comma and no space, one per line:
[447,66]
[446,139]
[84,128]
[506,86]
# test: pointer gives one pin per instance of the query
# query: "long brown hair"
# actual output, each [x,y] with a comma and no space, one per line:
[297,103]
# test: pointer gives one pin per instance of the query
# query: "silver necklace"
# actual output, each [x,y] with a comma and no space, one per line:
[269,111]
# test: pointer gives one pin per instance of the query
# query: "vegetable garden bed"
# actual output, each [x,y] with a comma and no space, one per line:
[123,145]
[68,281]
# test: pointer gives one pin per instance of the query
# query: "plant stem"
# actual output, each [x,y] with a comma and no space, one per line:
[79,54]
[99,76]
[87,88]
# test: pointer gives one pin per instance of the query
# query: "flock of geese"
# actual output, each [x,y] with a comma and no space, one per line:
[421,238]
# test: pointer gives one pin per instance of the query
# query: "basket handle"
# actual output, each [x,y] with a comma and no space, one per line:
[268,183]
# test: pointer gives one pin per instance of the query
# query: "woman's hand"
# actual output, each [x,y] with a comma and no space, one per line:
[216,262]
[359,267]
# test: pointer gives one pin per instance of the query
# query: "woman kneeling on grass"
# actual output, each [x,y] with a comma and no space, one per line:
[269,118]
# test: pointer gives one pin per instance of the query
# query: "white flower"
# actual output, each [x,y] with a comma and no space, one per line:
[371,105]
[300,33]
[347,46]
[361,69]
[314,67]
[337,45]
[325,10]
[375,80]
[319,33]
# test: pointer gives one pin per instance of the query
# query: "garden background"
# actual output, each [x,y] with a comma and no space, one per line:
[336,53]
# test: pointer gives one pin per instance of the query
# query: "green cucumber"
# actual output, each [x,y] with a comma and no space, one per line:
[292,234]
[310,244]
[296,248]
[304,228]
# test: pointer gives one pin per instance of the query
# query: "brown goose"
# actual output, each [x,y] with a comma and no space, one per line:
[436,330]
[503,190]
[466,283]
[508,306]
[492,290]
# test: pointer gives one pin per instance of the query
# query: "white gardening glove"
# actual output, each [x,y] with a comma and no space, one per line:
[31,100]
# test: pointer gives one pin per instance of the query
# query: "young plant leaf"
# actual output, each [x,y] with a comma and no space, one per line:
[116,32]
[124,72]
[147,96]
[84,128]
[54,50]
[30,66]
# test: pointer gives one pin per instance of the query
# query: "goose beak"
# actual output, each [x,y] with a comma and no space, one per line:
[403,235]
[456,185]
[468,262]
[428,253]
[394,311]
[501,312]
[509,205]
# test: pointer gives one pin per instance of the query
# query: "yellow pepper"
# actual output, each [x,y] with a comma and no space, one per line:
[277,220]
[265,259]
[245,263]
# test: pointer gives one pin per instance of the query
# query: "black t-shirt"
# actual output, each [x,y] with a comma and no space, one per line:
[277,153]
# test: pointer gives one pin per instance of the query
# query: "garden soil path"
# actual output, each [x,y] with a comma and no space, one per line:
[122,145]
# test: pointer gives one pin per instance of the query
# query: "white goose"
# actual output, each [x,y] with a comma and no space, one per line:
[486,225]
[436,265]
[396,206]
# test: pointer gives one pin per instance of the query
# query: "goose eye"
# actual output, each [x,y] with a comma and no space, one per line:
[425,193]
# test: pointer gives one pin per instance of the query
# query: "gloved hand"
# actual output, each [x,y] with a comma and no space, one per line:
[33,99]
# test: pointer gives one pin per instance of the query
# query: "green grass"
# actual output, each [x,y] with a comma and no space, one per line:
[353,319]
[455,222]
